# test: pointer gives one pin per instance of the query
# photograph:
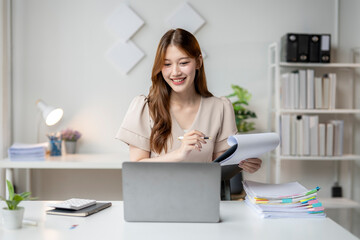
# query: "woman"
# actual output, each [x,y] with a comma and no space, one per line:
[179,106]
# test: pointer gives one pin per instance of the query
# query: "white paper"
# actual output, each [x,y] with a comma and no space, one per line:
[270,191]
[250,146]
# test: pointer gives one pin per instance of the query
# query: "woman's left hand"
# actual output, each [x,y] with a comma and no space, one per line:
[250,165]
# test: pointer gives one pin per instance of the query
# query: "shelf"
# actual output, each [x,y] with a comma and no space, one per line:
[330,203]
[320,65]
[331,158]
[321,111]
[72,161]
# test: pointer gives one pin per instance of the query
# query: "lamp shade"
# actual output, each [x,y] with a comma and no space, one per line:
[50,114]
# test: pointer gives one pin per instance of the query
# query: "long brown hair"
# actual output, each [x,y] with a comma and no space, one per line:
[159,94]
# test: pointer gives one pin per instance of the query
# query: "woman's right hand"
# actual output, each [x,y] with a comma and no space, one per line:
[192,140]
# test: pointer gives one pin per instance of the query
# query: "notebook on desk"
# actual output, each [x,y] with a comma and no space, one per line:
[171,192]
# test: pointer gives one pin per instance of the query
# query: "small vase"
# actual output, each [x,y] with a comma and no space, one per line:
[12,219]
[70,147]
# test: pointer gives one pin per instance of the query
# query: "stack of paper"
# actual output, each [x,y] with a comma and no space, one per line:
[288,200]
[27,152]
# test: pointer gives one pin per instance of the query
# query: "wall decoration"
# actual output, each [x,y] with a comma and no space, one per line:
[187,18]
[124,56]
[124,22]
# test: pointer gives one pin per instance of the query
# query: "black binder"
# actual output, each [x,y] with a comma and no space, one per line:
[314,48]
[303,48]
[325,47]
[289,47]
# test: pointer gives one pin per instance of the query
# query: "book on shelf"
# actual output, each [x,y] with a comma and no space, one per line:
[322,139]
[299,135]
[283,200]
[314,48]
[293,137]
[314,135]
[325,48]
[300,47]
[310,89]
[306,135]
[301,89]
[338,136]
[332,96]
[27,152]
[303,135]
[285,135]
[329,139]
[318,93]
[325,92]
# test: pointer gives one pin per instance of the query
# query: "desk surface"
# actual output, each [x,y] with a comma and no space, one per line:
[72,161]
[237,221]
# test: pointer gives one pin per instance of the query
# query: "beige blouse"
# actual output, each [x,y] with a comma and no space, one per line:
[215,118]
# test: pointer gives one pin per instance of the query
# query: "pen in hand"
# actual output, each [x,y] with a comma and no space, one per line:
[206,138]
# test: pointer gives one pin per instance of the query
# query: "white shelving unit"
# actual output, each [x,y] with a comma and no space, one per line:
[275,69]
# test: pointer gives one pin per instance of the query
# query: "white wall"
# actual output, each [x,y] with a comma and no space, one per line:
[59,56]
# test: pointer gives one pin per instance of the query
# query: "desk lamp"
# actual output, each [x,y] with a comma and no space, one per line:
[50,114]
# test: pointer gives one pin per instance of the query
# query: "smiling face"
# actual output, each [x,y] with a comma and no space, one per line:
[179,70]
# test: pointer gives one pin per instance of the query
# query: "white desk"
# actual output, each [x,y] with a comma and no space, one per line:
[69,161]
[238,221]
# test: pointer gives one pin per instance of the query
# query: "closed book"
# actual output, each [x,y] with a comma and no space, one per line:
[325,48]
[329,139]
[314,135]
[82,212]
[285,135]
[338,137]
[296,90]
[289,47]
[285,91]
[306,135]
[314,48]
[318,92]
[293,135]
[303,48]
[292,91]
[326,92]
[310,89]
[332,97]
[299,135]
[322,139]
[303,92]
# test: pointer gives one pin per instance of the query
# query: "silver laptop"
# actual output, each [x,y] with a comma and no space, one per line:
[171,192]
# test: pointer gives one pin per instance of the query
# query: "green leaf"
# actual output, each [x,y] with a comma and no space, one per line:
[10,189]
[242,115]
[25,195]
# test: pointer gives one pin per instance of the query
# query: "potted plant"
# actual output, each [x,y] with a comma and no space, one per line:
[70,138]
[12,214]
[242,114]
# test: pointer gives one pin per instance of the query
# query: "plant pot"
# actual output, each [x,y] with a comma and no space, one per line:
[12,219]
[70,147]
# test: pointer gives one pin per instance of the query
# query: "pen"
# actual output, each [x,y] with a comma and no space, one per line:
[182,137]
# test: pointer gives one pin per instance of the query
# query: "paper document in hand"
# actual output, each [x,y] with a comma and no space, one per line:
[246,146]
